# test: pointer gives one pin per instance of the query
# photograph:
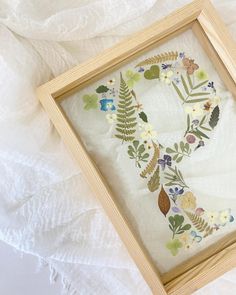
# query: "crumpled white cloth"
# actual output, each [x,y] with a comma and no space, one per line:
[46,207]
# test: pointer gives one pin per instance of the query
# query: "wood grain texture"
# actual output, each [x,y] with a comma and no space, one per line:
[203,255]
[219,37]
[203,273]
[215,58]
[102,191]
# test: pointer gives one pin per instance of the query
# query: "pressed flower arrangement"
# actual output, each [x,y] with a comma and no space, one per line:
[188,223]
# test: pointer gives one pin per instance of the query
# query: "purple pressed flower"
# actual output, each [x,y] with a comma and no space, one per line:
[190,138]
[165,161]
[175,209]
[201,143]
[182,55]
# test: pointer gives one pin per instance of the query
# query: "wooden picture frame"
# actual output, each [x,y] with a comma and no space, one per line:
[211,32]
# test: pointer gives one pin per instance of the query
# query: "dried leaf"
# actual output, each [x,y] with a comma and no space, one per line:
[154,182]
[214,117]
[159,58]
[153,162]
[163,201]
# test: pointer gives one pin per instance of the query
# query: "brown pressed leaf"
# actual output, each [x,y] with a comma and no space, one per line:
[163,201]
[166,56]
[152,164]
[154,181]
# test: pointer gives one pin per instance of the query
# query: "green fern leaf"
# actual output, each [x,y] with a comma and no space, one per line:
[126,119]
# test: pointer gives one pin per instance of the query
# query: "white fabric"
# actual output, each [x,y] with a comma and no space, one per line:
[46,207]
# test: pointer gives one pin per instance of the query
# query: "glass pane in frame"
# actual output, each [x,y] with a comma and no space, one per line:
[160,131]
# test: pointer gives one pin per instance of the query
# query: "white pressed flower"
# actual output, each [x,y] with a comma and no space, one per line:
[216,100]
[212,216]
[165,77]
[111,118]
[148,132]
[195,111]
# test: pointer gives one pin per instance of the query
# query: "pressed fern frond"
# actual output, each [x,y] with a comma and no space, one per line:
[126,121]
[171,55]
[152,164]
[200,224]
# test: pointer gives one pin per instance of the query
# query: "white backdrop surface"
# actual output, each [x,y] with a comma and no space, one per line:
[46,207]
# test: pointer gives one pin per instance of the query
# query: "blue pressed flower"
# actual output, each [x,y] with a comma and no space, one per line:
[141,69]
[177,80]
[165,66]
[211,84]
[175,193]
[107,105]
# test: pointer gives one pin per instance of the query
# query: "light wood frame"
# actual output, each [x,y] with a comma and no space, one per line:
[203,19]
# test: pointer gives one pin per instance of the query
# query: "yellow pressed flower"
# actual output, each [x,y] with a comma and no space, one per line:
[188,201]
[184,238]
[201,75]
[224,216]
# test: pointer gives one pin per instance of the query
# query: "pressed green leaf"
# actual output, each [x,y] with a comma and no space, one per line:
[141,149]
[190,81]
[169,151]
[181,146]
[185,85]
[154,182]
[145,156]
[175,157]
[179,159]
[171,220]
[197,100]
[176,147]
[186,227]
[178,91]
[130,153]
[102,89]
[203,120]
[200,84]
[179,219]
[135,143]
[205,128]
[214,117]
[143,116]
[199,93]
